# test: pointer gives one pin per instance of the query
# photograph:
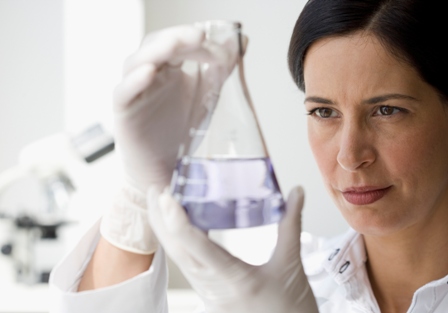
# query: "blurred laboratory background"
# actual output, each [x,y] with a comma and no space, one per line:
[59,63]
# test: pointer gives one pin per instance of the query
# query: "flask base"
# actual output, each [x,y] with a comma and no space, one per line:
[241,213]
[229,193]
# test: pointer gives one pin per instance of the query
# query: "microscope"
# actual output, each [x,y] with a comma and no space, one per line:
[33,241]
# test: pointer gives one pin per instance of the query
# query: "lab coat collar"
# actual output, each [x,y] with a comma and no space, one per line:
[345,259]
[346,265]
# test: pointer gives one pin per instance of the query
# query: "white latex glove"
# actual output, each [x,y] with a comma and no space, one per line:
[225,283]
[155,105]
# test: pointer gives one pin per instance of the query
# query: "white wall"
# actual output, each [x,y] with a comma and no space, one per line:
[98,36]
[278,102]
[31,74]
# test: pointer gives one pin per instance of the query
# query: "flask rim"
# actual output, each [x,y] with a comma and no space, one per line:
[220,24]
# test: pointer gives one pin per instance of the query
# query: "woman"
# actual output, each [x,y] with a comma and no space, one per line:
[373,77]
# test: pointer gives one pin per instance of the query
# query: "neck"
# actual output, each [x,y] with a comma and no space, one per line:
[400,263]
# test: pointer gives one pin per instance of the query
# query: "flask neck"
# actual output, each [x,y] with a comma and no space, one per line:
[229,35]
[233,131]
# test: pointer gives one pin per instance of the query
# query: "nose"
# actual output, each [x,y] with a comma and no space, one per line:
[356,148]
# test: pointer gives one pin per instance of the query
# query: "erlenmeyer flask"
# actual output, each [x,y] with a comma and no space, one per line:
[224,177]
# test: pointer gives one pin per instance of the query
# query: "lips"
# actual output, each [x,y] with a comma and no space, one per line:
[364,195]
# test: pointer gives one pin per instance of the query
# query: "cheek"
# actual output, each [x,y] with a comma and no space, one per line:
[400,157]
[419,157]
[324,151]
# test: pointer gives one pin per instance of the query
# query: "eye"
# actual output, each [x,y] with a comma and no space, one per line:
[323,112]
[386,110]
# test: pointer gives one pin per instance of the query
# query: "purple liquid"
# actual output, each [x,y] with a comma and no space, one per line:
[228,193]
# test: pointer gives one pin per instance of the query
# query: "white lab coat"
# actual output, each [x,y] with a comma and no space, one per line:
[335,268]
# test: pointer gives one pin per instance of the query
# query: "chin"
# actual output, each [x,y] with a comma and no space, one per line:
[371,222]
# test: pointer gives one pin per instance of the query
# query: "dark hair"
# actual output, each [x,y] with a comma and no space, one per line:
[412,30]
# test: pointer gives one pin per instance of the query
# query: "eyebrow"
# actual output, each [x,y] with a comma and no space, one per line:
[374,100]
[393,96]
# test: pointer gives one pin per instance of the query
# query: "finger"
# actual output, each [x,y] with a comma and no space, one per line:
[133,85]
[290,228]
[189,247]
[162,46]
[138,80]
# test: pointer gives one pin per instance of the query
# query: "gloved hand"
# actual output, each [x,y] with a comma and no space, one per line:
[225,283]
[155,105]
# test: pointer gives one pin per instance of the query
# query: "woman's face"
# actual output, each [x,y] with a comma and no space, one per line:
[379,134]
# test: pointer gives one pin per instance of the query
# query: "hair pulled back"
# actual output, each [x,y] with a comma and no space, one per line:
[412,30]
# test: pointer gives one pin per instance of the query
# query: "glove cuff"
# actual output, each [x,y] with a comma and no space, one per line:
[126,224]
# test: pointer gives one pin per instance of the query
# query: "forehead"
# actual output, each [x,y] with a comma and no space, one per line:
[356,64]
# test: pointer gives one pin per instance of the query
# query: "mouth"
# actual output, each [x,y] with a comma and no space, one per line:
[364,195]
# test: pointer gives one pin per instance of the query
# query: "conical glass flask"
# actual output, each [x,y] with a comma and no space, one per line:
[224,177]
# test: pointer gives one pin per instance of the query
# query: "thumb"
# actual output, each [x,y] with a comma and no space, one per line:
[290,229]
[188,246]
